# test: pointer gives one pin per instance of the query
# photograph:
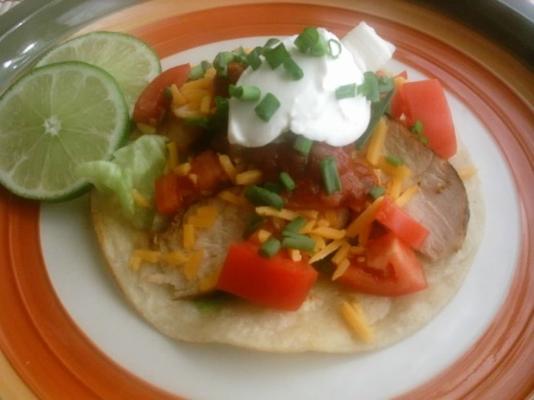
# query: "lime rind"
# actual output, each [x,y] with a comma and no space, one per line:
[49,126]
[129,60]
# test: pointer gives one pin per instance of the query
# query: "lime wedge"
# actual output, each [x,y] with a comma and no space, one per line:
[129,60]
[53,119]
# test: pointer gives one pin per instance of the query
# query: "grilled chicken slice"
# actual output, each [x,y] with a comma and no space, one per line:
[441,205]
[228,227]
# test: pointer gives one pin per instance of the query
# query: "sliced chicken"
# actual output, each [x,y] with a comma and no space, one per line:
[441,204]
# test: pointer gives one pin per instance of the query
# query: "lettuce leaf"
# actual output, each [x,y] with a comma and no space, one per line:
[135,166]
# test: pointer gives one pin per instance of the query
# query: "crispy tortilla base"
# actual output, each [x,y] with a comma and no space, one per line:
[316,326]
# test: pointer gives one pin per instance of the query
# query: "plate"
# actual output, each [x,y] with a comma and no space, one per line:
[63,321]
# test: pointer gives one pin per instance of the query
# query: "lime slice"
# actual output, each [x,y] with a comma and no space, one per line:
[53,119]
[129,60]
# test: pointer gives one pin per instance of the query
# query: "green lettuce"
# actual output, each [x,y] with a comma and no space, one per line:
[135,166]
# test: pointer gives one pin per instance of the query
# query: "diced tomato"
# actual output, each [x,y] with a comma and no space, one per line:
[391,269]
[397,102]
[276,282]
[167,197]
[207,168]
[152,103]
[401,224]
[425,101]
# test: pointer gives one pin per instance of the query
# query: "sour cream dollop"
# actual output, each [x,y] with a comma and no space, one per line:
[309,106]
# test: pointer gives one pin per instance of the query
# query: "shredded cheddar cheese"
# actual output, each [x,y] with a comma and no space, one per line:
[341,253]
[319,242]
[192,264]
[204,217]
[329,249]
[329,233]
[249,177]
[407,195]
[174,258]
[188,238]
[273,212]
[232,198]
[139,199]
[263,235]
[341,268]
[308,227]
[295,255]
[182,169]
[355,319]
[172,159]
[467,172]
[364,220]
[227,166]
[178,98]
[376,142]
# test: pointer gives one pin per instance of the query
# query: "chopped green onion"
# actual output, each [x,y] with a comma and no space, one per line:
[376,192]
[276,56]
[369,87]
[331,181]
[303,145]
[294,226]
[253,224]
[300,242]
[262,197]
[274,187]
[221,62]
[203,122]
[211,303]
[196,72]
[394,160]
[271,43]
[331,52]
[417,127]
[205,65]
[342,92]
[253,58]
[270,247]
[267,107]
[385,84]
[377,110]
[287,181]
[240,55]
[311,42]
[245,92]
[422,138]
[292,68]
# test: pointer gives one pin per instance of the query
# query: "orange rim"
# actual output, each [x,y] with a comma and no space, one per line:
[45,346]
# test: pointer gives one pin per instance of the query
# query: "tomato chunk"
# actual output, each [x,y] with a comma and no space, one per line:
[152,103]
[276,282]
[425,101]
[391,269]
[401,224]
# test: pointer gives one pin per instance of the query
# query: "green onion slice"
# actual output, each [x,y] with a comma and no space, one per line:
[385,84]
[292,68]
[270,247]
[345,91]
[369,87]
[311,42]
[300,242]
[334,48]
[271,43]
[287,181]
[376,191]
[267,107]
[417,127]
[262,197]
[331,181]
[294,226]
[276,56]
[274,187]
[303,145]
[394,160]
[253,58]
[245,92]
[221,62]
